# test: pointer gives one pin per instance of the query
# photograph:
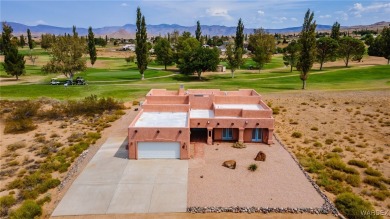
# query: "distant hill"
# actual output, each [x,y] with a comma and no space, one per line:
[128,30]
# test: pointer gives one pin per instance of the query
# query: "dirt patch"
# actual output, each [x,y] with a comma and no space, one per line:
[278,182]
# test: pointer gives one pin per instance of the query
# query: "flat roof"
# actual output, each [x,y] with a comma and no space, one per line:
[194,113]
[239,106]
[162,119]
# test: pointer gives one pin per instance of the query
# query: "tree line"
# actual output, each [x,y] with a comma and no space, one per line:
[192,56]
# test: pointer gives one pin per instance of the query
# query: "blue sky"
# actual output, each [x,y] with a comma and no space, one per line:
[254,13]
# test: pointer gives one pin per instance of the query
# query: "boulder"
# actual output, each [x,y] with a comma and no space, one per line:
[260,156]
[231,164]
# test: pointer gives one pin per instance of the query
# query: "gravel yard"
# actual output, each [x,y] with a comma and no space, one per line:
[278,182]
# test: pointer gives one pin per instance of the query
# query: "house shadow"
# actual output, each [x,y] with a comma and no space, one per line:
[122,152]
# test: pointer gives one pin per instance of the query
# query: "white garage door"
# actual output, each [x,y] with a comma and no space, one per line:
[158,150]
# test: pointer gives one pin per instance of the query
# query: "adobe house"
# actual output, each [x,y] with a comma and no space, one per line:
[169,120]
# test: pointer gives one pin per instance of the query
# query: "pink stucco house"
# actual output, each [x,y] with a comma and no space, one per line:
[169,120]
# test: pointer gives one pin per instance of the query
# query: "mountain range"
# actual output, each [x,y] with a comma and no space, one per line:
[128,30]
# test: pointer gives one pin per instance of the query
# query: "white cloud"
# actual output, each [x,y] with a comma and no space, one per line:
[341,15]
[293,19]
[124,5]
[260,12]
[219,12]
[279,20]
[325,16]
[358,9]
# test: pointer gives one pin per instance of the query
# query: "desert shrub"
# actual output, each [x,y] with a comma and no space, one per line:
[76,137]
[46,198]
[6,202]
[374,181]
[79,148]
[329,141]
[48,184]
[275,110]
[135,102]
[239,145]
[40,139]
[13,163]
[252,167]
[314,129]
[28,210]
[109,104]
[337,175]
[54,135]
[310,164]
[338,164]
[16,146]
[353,180]
[385,180]
[19,126]
[332,186]
[317,144]
[372,172]
[25,110]
[296,135]
[380,195]
[352,206]
[358,163]
[56,112]
[92,137]
[90,105]
[337,150]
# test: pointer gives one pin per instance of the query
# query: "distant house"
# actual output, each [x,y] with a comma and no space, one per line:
[130,47]
[222,49]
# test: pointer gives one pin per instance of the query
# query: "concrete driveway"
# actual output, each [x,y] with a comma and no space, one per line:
[112,184]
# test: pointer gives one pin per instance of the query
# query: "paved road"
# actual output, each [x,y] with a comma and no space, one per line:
[112,184]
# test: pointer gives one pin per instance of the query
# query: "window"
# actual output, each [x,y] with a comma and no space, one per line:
[256,134]
[227,134]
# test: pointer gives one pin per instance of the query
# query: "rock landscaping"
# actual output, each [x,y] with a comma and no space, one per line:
[231,164]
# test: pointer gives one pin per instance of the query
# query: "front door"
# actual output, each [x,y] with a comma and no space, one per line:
[227,134]
[256,134]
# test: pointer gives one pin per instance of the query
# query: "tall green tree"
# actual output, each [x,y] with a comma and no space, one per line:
[335,32]
[326,50]
[91,46]
[75,34]
[141,47]
[30,40]
[204,59]
[239,40]
[386,43]
[164,53]
[13,61]
[185,50]
[350,48]
[234,58]
[381,45]
[22,41]
[262,46]
[291,54]
[307,40]
[198,32]
[47,40]
[67,56]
